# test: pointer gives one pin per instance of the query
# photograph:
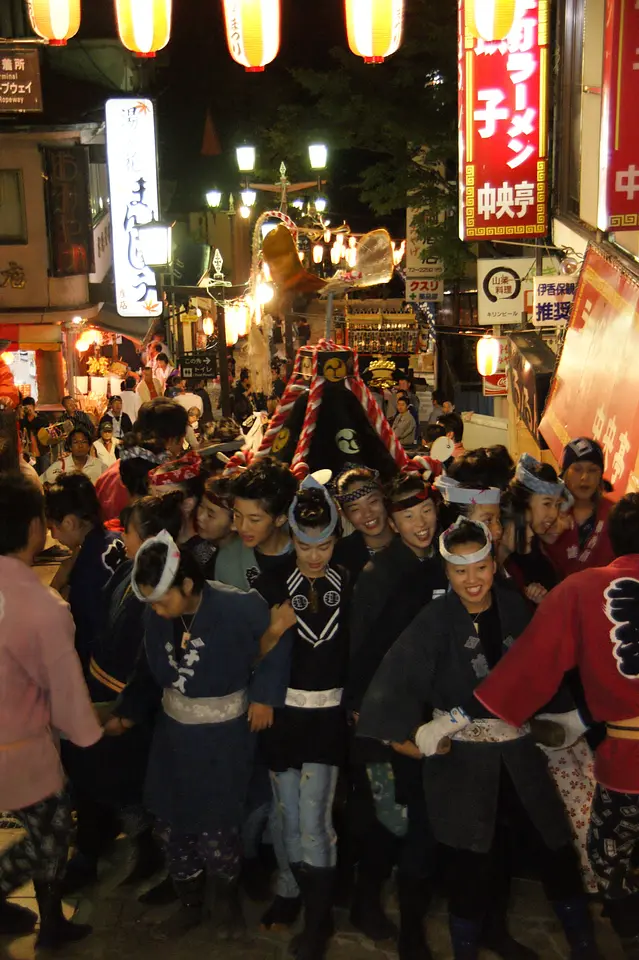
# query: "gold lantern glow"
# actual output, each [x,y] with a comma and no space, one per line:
[207,326]
[488,350]
[374,28]
[144,25]
[490,20]
[252,32]
[55,20]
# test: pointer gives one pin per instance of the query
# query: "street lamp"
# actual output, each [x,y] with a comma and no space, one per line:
[248,197]
[245,159]
[321,204]
[155,241]
[318,156]
[214,199]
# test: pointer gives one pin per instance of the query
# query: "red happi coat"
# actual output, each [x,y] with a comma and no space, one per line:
[565,554]
[590,621]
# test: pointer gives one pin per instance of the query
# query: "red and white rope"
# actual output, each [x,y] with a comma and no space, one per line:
[299,464]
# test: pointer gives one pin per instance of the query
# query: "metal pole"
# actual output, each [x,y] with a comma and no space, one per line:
[223,363]
[328,326]
[288,338]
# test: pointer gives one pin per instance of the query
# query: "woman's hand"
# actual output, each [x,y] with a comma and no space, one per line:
[283,617]
[116,726]
[407,749]
[535,592]
[260,717]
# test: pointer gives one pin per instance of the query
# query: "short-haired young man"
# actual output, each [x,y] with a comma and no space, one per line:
[262,495]
[42,689]
[454,427]
[591,621]
[79,417]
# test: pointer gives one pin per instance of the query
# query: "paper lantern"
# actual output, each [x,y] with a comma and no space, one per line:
[374,28]
[252,32]
[487,356]
[207,326]
[144,25]
[55,20]
[490,20]
[318,253]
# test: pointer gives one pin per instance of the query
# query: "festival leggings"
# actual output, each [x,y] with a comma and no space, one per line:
[613,843]
[304,804]
[42,853]
[215,852]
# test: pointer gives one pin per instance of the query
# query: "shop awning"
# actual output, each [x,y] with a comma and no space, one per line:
[135,328]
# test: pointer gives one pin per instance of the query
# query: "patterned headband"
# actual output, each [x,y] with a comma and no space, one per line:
[141,453]
[167,577]
[368,487]
[310,483]
[177,471]
[465,559]
[531,482]
[453,492]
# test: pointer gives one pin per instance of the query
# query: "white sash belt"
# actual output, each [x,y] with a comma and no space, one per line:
[196,710]
[488,730]
[314,699]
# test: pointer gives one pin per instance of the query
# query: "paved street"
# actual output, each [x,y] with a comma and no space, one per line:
[122,928]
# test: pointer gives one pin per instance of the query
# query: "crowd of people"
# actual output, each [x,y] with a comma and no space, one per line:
[295,691]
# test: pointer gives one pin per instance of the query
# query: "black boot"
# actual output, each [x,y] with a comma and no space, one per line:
[256,880]
[161,894]
[225,909]
[282,913]
[316,884]
[15,920]
[414,898]
[495,936]
[81,871]
[578,927]
[150,858]
[191,910]
[465,935]
[374,868]
[55,930]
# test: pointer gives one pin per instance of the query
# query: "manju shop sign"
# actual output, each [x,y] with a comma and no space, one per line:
[503,125]
[619,150]
[133,187]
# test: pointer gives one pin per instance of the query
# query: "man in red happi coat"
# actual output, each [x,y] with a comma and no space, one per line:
[591,621]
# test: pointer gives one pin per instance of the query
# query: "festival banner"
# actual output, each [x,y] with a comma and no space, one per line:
[503,130]
[595,391]
[619,150]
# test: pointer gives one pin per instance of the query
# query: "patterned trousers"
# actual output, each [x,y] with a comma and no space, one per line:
[217,852]
[42,853]
[612,840]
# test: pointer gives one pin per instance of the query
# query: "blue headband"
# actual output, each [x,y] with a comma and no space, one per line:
[535,484]
[310,483]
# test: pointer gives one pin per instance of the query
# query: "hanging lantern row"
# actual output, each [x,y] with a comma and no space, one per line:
[373,27]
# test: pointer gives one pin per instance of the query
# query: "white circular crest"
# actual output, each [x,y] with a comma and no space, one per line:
[331,598]
[346,441]
[299,602]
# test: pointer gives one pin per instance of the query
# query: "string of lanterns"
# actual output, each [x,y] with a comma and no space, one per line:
[373,27]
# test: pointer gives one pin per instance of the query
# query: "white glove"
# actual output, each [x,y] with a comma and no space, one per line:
[573,725]
[430,734]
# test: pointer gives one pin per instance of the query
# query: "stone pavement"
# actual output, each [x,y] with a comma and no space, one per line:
[121,928]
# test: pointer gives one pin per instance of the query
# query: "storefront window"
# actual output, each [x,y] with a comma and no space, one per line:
[99,190]
[13,221]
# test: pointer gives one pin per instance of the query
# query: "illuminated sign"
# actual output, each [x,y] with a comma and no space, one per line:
[619,151]
[503,126]
[133,187]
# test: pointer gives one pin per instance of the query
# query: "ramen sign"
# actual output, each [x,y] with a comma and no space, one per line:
[503,126]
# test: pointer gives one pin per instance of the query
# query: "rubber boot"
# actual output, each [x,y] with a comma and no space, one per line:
[374,869]
[282,913]
[578,927]
[55,930]
[81,871]
[316,884]
[191,910]
[15,920]
[161,894]
[496,936]
[150,859]
[414,898]
[225,909]
[465,935]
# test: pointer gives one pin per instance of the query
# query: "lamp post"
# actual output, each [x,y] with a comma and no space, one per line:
[218,282]
[156,246]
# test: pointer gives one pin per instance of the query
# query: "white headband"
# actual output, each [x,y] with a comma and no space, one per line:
[452,492]
[535,484]
[170,567]
[462,560]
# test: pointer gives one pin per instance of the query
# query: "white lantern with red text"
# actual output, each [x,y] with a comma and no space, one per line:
[144,27]
[55,20]
[487,356]
[252,32]
[374,28]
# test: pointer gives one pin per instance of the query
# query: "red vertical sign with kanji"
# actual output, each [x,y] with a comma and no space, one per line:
[503,127]
[619,151]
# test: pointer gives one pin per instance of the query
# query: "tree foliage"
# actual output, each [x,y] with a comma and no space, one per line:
[400,120]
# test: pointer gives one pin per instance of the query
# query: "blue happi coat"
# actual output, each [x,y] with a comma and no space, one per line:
[198,774]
